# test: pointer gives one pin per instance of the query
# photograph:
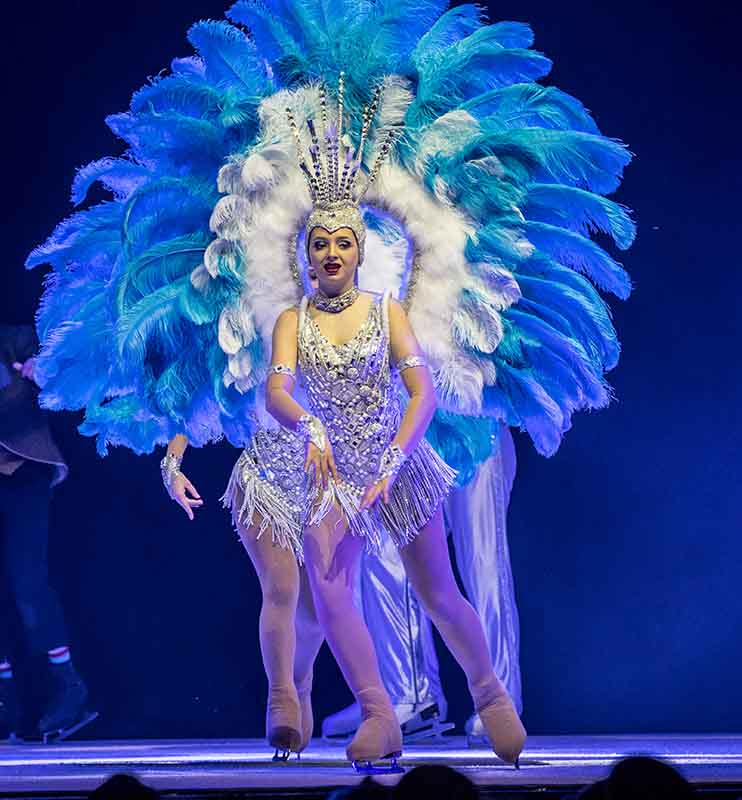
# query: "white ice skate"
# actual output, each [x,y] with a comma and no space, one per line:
[476,736]
[419,722]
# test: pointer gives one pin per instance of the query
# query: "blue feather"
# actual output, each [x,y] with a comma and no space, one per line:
[453,26]
[468,69]
[230,58]
[580,211]
[119,175]
[170,141]
[537,412]
[83,235]
[269,30]
[580,253]
[161,264]
[572,158]
[154,317]
[589,324]
[525,105]
[191,67]
[462,442]
[192,98]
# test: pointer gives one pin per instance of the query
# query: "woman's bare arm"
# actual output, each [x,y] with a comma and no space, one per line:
[177,484]
[279,400]
[417,381]
[280,403]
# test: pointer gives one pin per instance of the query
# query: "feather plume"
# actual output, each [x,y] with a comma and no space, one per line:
[582,254]
[118,175]
[453,26]
[482,224]
[229,56]
[580,211]
[528,105]
[269,31]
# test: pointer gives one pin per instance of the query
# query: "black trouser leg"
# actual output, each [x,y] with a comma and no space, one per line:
[24,511]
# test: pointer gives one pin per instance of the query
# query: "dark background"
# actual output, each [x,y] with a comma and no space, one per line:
[626,545]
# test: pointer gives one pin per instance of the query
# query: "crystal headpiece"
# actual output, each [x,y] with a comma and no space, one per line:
[333,166]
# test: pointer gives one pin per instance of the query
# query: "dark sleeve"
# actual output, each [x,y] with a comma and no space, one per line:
[17,343]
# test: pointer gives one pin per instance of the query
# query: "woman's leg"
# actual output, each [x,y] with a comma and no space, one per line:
[332,554]
[309,638]
[278,574]
[429,569]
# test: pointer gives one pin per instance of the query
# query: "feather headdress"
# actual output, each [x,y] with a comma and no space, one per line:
[171,288]
[332,169]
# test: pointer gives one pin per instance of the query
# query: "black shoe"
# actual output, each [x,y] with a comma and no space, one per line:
[10,710]
[68,710]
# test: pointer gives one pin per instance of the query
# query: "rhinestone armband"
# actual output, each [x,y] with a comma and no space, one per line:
[281,369]
[411,361]
[312,429]
[391,462]
[170,469]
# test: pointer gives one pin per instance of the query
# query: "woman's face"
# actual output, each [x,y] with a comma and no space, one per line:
[334,258]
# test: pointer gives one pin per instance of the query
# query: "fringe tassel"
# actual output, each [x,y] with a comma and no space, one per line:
[249,494]
[420,488]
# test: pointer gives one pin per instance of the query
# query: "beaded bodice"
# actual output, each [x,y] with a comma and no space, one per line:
[350,388]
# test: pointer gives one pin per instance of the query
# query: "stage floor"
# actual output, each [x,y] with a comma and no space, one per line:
[552,765]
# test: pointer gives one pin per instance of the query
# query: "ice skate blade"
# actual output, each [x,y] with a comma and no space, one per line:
[474,740]
[481,742]
[51,737]
[434,731]
[363,767]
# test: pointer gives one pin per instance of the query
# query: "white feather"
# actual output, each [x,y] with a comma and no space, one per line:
[445,136]
[396,98]
[440,233]
[235,330]
[258,172]
[384,265]
[229,178]
[264,214]
[221,250]
[200,278]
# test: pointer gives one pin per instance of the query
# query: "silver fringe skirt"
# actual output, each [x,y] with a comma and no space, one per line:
[421,486]
[268,487]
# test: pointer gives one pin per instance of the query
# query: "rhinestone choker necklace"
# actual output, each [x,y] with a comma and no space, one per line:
[334,305]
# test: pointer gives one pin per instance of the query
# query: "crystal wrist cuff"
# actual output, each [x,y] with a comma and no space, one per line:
[170,469]
[312,429]
[391,462]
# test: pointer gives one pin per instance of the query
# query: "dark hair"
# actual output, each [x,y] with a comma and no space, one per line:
[435,781]
[640,778]
[123,787]
[367,789]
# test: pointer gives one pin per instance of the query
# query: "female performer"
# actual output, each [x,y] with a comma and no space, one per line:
[361,450]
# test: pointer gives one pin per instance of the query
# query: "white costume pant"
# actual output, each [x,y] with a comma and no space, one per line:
[476,516]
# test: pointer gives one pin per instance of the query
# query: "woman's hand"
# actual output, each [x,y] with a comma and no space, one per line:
[27,368]
[320,464]
[374,491]
[184,493]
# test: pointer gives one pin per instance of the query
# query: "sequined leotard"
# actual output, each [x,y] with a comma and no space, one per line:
[268,486]
[351,388]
